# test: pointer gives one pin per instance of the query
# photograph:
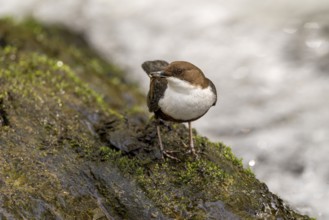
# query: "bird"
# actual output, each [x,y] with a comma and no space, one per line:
[179,92]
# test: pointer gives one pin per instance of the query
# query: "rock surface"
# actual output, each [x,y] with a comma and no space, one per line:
[77,143]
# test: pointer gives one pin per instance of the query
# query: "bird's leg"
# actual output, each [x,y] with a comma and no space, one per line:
[191,138]
[163,152]
[159,137]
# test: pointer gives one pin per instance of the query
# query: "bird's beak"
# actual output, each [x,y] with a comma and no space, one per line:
[160,74]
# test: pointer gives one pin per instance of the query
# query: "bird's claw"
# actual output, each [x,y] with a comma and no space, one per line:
[168,154]
[191,150]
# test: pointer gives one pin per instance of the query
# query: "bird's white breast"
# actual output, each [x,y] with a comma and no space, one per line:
[185,101]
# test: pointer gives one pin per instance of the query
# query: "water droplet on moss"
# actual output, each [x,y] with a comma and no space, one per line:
[59,63]
[252,163]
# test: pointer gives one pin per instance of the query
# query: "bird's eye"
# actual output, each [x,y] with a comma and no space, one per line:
[178,71]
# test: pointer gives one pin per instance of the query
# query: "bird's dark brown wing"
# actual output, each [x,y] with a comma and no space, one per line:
[157,89]
[157,85]
[153,66]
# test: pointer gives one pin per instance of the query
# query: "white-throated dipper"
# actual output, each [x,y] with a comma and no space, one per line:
[179,92]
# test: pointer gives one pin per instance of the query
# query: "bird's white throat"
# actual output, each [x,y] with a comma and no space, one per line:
[184,101]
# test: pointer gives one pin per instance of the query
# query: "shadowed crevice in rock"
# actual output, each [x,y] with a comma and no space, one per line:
[4,120]
[3,41]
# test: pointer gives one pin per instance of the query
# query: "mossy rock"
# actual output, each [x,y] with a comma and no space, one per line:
[76,143]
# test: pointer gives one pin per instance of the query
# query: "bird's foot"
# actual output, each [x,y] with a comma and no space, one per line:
[194,154]
[191,150]
[168,154]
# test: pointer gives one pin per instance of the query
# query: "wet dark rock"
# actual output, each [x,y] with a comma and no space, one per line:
[217,210]
[130,201]
[72,148]
[118,135]
[124,140]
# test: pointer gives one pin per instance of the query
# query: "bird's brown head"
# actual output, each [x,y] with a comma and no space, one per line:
[185,71]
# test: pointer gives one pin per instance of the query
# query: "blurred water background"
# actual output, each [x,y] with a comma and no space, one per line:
[269,60]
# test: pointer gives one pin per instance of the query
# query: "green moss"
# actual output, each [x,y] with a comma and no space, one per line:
[49,106]
[64,111]
[68,54]
[180,188]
